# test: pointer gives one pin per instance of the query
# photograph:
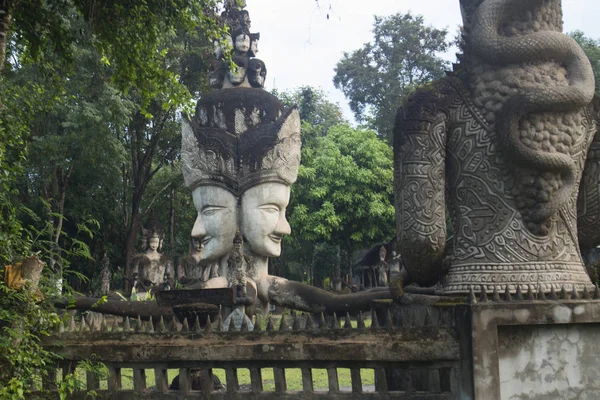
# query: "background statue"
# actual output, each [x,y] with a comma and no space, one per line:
[503,143]
[193,268]
[151,267]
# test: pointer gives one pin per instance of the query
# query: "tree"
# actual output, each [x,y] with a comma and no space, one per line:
[344,192]
[591,48]
[403,55]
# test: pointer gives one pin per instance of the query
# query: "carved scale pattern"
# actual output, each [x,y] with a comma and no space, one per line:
[443,144]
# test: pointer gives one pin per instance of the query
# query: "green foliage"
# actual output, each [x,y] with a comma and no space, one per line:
[22,323]
[344,192]
[376,78]
[591,47]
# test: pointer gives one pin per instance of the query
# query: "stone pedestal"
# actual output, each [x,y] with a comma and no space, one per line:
[509,349]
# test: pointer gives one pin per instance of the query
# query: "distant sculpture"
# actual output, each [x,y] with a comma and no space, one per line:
[105,276]
[151,267]
[505,142]
[250,72]
[193,268]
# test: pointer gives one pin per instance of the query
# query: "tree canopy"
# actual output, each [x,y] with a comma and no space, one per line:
[403,55]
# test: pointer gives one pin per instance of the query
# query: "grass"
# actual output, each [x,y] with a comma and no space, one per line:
[293,378]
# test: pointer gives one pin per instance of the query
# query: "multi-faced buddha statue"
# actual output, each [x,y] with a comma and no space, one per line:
[241,151]
[505,144]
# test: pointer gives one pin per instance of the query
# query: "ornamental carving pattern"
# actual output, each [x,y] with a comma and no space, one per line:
[503,144]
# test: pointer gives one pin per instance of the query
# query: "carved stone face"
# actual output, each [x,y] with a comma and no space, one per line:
[254,47]
[216,223]
[153,243]
[237,75]
[242,42]
[216,74]
[263,217]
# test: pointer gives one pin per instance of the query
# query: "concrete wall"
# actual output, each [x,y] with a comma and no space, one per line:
[547,362]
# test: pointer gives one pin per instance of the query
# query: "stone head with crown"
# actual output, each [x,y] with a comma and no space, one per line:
[240,154]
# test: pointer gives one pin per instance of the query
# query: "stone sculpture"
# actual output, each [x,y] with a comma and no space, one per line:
[151,267]
[240,155]
[505,142]
[193,268]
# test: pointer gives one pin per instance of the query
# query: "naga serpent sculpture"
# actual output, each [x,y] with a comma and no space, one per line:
[497,49]
[502,144]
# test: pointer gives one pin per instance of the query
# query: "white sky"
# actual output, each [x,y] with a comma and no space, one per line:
[300,46]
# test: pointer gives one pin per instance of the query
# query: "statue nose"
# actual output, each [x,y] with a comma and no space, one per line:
[283,227]
[198,231]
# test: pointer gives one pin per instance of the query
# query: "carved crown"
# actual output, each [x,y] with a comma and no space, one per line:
[240,138]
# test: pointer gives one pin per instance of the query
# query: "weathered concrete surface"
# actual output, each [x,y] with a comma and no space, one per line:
[549,362]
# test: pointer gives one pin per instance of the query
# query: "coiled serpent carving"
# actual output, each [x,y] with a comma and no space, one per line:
[494,48]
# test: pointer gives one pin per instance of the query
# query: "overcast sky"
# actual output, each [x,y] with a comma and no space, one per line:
[300,46]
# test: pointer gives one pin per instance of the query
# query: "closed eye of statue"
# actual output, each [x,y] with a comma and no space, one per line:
[270,208]
[210,210]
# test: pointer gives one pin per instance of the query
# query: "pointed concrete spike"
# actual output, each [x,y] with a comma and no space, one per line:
[197,328]
[138,325]
[296,325]
[186,325]
[103,325]
[360,322]
[89,320]
[83,326]
[209,326]
[563,293]
[174,325]
[374,320]
[150,325]
[472,299]
[115,325]
[495,295]
[552,295]
[586,293]
[507,295]
[530,295]
[322,322]
[428,321]
[519,295]
[310,323]
[283,325]
[389,320]
[127,325]
[71,325]
[596,292]
[231,327]
[574,294]
[244,327]
[347,322]
[483,298]
[61,327]
[540,293]
[336,323]
[270,326]
[219,323]
[161,325]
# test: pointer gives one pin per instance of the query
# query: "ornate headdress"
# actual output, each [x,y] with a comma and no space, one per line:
[239,142]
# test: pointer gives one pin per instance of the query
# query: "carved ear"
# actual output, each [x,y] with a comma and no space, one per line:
[290,124]
[288,147]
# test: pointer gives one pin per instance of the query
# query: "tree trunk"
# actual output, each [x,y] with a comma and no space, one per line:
[5,22]
[337,273]
[172,222]
[349,254]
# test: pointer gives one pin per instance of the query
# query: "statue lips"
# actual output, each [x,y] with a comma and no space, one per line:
[276,238]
